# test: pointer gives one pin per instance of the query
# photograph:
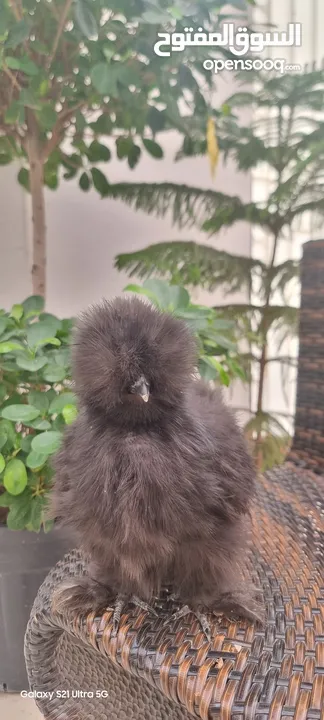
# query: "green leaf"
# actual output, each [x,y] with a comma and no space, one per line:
[18,517]
[156,119]
[17,34]
[39,400]
[3,324]
[39,424]
[97,152]
[15,477]
[104,79]
[103,125]
[5,499]
[36,460]
[28,99]
[48,341]
[36,515]
[85,20]
[141,291]
[33,304]
[16,312]
[20,413]
[48,525]
[70,413]
[15,114]
[161,291]
[134,156]
[25,443]
[31,365]
[152,147]
[3,440]
[57,405]
[23,178]
[47,442]
[100,182]
[40,333]
[5,158]
[24,64]
[52,322]
[2,463]
[54,373]
[84,181]
[7,347]
[47,117]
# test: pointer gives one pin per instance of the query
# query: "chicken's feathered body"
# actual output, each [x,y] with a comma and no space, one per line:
[158,496]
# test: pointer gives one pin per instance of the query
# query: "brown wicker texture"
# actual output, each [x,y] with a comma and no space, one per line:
[152,671]
[308,445]
[171,672]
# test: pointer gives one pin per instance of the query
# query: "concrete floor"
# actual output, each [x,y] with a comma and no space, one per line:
[15,707]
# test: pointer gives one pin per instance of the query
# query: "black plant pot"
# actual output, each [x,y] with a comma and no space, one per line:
[25,560]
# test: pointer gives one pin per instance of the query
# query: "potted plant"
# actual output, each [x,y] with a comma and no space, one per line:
[36,402]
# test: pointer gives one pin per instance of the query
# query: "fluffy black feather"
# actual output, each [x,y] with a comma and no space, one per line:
[156,491]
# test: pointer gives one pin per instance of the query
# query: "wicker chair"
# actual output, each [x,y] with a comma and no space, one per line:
[156,671]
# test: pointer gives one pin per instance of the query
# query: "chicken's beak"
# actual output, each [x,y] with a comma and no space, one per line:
[141,388]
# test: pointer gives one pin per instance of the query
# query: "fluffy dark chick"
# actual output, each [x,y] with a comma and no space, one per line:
[153,477]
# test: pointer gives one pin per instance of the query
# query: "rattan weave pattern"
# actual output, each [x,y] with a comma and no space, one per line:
[152,671]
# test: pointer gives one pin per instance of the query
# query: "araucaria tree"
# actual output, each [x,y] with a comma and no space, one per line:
[73,72]
[291,146]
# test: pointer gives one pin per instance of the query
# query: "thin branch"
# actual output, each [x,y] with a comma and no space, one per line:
[17,11]
[59,31]
[12,77]
[58,129]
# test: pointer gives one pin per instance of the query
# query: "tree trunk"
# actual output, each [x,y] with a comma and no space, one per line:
[36,182]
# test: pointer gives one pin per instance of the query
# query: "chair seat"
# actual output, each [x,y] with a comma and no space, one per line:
[172,672]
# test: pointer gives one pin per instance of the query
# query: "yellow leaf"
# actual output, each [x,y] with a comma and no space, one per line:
[212,145]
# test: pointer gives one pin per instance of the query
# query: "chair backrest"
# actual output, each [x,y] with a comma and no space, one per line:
[308,443]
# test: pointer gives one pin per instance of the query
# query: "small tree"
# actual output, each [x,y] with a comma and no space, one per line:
[74,71]
[291,145]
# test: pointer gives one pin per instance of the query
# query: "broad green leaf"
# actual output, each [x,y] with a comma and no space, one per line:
[156,119]
[28,99]
[52,322]
[20,413]
[104,79]
[3,324]
[5,158]
[3,440]
[40,333]
[20,508]
[47,116]
[31,365]
[25,443]
[47,442]
[85,19]
[133,156]
[57,405]
[97,152]
[14,113]
[206,371]
[39,400]
[140,290]
[54,373]
[15,477]
[70,413]
[7,347]
[36,515]
[100,182]
[17,34]
[5,499]
[152,147]
[36,460]
[17,312]
[23,178]
[47,341]
[2,463]
[34,304]
[25,64]
[39,424]
[85,182]
[103,125]
[7,430]
[161,290]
